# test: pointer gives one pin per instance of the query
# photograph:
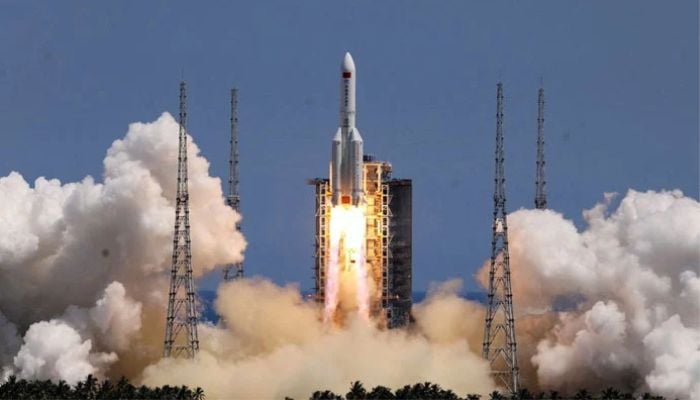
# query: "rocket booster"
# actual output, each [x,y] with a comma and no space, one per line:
[346,151]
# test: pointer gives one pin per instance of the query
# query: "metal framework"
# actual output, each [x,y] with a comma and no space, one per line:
[540,195]
[323,214]
[233,199]
[181,320]
[499,346]
[385,239]
[389,300]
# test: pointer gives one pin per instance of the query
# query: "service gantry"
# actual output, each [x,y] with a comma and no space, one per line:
[181,338]
[233,199]
[499,346]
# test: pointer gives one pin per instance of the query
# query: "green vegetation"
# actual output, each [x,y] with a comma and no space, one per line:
[93,389]
[433,391]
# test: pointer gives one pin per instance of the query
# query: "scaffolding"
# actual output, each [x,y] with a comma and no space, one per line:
[181,337]
[321,243]
[391,293]
[540,182]
[499,346]
[233,198]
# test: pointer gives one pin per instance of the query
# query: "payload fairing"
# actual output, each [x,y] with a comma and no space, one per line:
[346,150]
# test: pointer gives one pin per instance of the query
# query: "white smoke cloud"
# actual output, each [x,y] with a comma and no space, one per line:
[62,348]
[673,348]
[86,263]
[54,350]
[81,236]
[633,274]
[113,322]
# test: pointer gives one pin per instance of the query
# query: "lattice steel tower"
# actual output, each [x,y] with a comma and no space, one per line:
[233,199]
[540,195]
[499,330]
[181,321]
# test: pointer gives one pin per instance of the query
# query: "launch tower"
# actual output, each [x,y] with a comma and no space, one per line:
[233,199]
[499,346]
[181,320]
[540,195]
[389,241]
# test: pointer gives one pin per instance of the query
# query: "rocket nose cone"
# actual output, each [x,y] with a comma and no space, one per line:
[348,63]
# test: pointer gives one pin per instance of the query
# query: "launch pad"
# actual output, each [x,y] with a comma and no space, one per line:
[363,257]
[388,242]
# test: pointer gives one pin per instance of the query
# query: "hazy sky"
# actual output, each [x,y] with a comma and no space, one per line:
[621,82]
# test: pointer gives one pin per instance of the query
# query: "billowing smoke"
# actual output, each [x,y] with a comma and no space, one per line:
[275,345]
[83,284]
[83,265]
[627,290]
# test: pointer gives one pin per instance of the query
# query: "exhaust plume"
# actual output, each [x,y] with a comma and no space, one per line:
[276,345]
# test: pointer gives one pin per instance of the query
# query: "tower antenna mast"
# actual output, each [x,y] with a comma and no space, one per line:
[499,346]
[181,320]
[233,199]
[540,195]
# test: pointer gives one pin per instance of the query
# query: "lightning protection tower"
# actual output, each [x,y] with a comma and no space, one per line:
[540,195]
[233,199]
[499,330]
[181,320]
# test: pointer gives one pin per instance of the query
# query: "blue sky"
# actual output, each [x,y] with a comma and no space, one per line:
[621,81]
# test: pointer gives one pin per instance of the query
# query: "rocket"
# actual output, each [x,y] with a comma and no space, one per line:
[346,173]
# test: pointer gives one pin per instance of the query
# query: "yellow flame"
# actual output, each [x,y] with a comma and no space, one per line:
[346,267]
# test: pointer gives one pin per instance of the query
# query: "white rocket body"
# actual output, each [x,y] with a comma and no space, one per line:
[346,151]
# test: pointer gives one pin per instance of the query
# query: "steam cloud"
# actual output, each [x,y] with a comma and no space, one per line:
[82,265]
[631,282]
[83,284]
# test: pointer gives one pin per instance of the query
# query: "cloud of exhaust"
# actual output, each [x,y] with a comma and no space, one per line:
[275,344]
[83,285]
[630,289]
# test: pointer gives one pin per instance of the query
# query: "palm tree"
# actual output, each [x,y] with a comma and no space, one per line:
[554,395]
[199,394]
[381,393]
[609,394]
[90,387]
[496,396]
[106,391]
[357,392]
[59,390]
[325,395]
[583,395]
[523,394]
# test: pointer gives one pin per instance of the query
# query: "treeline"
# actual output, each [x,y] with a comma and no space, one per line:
[92,389]
[427,390]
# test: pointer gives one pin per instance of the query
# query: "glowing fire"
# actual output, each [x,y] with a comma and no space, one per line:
[347,271]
